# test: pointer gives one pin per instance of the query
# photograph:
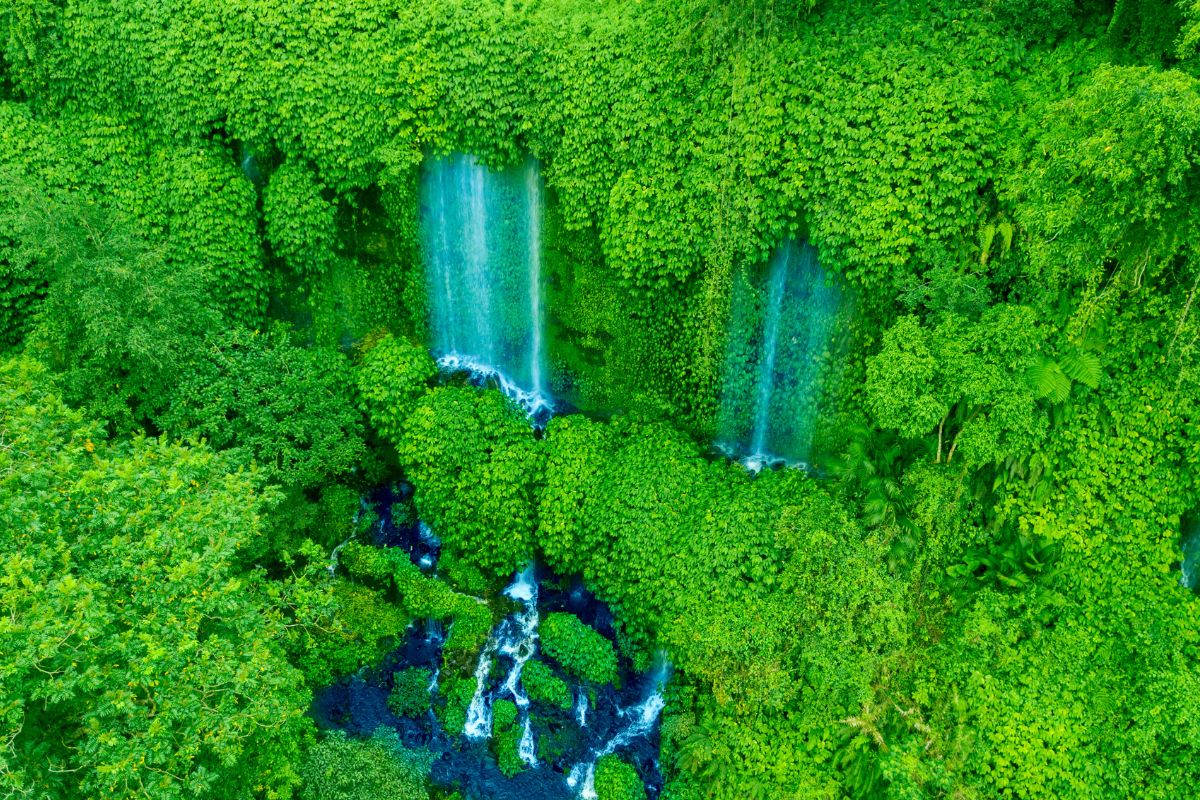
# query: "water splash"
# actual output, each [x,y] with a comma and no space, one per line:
[515,637]
[581,707]
[641,721]
[481,236]
[781,330]
[538,407]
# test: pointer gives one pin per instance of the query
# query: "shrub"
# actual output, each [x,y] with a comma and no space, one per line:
[410,692]
[616,780]
[543,686]
[581,651]
[339,768]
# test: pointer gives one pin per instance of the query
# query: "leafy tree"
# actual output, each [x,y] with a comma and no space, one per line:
[301,223]
[1111,191]
[966,382]
[580,650]
[139,658]
[616,780]
[410,692]
[475,462]
[543,686]
[392,374]
[118,322]
[267,401]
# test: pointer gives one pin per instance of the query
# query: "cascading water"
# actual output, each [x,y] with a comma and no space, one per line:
[516,638]
[581,706]
[481,235]
[641,720]
[779,350]
[552,748]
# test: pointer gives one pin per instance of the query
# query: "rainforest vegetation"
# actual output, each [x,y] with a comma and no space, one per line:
[215,344]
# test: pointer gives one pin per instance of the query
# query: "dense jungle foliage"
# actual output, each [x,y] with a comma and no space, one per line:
[211,322]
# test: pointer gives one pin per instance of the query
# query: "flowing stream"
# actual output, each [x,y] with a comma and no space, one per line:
[559,743]
[639,721]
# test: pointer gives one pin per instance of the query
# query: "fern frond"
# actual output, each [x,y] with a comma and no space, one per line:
[1083,366]
[1048,380]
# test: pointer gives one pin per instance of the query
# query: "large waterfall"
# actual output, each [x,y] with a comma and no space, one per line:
[781,331]
[481,236]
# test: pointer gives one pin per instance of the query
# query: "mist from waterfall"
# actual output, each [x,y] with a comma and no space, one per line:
[781,329]
[481,236]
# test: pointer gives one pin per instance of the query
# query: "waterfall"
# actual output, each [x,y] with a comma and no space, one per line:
[515,637]
[481,236]
[533,201]
[766,374]
[581,707]
[641,721]
[781,330]
[1189,569]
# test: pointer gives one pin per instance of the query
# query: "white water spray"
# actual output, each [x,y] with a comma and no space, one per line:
[516,637]
[641,721]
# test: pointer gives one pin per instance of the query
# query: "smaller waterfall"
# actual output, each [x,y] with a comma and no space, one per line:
[515,637]
[641,721]
[481,235]
[779,355]
[479,713]
[581,707]
[1189,569]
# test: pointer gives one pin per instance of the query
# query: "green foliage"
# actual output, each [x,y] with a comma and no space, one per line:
[543,686]
[616,780]
[981,605]
[410,692]
[424,597]
[458,692]
[504,715]
[506,736]
[1114,178]
[1189,39]
[21,280]
[262,398]
[966,381]
[578,649]
[391,376]
[474,460]
[508,755]
[118,322]
[339,768]
[301,223]
[139,657]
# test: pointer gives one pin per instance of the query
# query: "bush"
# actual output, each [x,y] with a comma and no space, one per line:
[616,780]
[338,768]
[504,714]
[543,686]
[301,223]
[508,751]
[392,373]
[287,408]
[410,692]
[581,651]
